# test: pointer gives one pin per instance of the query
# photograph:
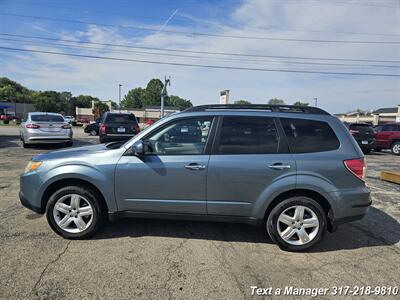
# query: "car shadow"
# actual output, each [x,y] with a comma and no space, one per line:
[9,141]
[376,229]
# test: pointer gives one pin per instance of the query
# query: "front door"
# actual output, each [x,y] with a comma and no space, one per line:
[246,161]
[171,176]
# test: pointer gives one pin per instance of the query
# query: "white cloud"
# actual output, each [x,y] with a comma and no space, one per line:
[253,18]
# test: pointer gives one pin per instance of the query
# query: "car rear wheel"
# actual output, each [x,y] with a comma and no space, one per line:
[93,132]
[296,224]
[396,148]
[75,212]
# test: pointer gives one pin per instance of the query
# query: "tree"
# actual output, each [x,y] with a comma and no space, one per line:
[152,93]
[177,101]
[299,103]
[100,108]
[242,102]
[48,101]
[276,101]
[133,99]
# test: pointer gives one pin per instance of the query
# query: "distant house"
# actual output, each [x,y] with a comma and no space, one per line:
[376,117]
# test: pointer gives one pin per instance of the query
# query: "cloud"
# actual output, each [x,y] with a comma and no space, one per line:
[289,19]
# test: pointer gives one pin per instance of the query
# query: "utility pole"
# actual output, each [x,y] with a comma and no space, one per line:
[163,94]
[119,104]
[316,102]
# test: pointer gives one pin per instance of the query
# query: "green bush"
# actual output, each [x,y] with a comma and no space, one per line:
[6,121]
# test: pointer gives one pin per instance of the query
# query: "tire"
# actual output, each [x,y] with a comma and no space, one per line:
[93,132]
[69,144]
[287,208]
[89,201]
[396,148]
[102,140]
[25,145]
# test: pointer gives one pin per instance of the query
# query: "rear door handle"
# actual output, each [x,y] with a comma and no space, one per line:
[279,166]
[195,167]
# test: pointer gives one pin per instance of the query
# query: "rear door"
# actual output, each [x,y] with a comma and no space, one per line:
[383,137]
[248,156]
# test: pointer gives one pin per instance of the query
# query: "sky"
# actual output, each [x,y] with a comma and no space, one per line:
[258,49]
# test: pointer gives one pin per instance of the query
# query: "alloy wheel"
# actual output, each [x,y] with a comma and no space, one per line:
[298,225]
[73,213]
[396,149]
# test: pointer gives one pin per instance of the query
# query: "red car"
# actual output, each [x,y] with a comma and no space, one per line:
[388,137]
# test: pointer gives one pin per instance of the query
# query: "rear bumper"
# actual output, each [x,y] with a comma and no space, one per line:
[350,204]
[116,137]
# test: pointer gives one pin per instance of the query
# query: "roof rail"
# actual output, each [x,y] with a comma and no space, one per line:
[267,107]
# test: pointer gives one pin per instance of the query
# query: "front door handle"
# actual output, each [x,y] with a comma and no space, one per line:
[279,166]
[195,167]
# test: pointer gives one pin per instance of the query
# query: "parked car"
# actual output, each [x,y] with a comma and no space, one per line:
[295,170]
[118,127]
[364,134]
[69,119]
[44,128]
[93,128]
[388,137]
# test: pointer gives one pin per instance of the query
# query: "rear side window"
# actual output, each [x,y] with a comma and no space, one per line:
[47,118]
[117,118]
[246,135]
[306,136]
[391,127]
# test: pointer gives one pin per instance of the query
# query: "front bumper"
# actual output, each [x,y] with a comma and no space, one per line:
[29,195]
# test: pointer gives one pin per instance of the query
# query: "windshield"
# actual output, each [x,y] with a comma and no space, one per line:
[47,118]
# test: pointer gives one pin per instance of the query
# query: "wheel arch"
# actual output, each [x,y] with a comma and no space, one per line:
[318,197]
[56,185]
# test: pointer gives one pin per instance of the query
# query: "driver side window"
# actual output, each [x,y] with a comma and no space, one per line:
[181,137]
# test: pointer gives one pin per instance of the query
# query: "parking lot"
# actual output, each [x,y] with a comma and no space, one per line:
[181,259]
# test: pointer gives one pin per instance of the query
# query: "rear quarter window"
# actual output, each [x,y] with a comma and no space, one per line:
[305,136]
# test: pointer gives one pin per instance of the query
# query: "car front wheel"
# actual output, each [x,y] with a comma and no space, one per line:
[296,224]
[396,148]
[75,212]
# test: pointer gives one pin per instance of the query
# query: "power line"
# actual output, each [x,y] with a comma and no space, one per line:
[201,57]
[130,46]
[199,65]
[183,16]
[187,33]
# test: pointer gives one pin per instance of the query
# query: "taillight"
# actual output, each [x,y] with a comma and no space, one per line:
[352,131]
[66,126]
[103,128]
[32,126]
[357,166]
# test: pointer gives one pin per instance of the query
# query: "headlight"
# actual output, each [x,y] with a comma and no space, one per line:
[32,166]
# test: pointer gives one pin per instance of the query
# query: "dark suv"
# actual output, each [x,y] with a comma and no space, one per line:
[118,127]
[388,137]
[295,170]
[364,135]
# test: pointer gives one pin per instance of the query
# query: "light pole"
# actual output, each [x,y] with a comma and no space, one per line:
[119,104]
[163,94]
[316,101]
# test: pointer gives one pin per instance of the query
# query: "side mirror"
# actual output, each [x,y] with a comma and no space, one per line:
[138,148]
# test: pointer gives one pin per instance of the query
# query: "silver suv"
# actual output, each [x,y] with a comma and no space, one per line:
[45,128]
[295,170]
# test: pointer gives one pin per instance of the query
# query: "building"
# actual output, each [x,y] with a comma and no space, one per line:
[142,114]
[224,97]
[376,117]
[16,109]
